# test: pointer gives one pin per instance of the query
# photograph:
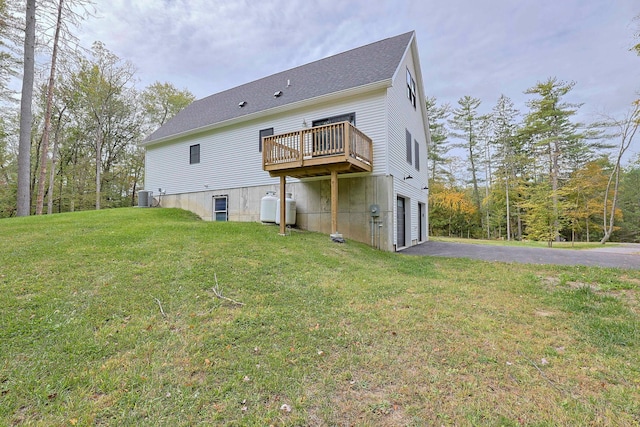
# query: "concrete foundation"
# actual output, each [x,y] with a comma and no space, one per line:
[313,205]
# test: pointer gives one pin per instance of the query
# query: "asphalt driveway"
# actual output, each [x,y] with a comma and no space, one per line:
[625,255]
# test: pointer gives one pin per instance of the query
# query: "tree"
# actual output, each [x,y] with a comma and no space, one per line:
[508,149]
[450,209]
[106,109]
[162,101]
[584,193]
[65,13]
[467,122]
[549,128]
[47,114]
[629,202]
[541,216]
[8,55]
[437,150]
[26,115]
[626,131]
[8,172]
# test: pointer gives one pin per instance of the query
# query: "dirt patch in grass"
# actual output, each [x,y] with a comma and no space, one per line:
[631,297]
[555,281]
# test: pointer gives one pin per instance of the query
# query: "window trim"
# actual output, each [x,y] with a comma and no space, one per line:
[411,88]
[416,148]
[348,117]
[321,138]
[224,211]
[409,146]
[194,154]
[262,134]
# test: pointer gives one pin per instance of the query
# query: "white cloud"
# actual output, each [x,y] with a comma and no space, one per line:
[478,48]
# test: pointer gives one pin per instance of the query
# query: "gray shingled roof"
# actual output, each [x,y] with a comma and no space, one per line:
[365,65]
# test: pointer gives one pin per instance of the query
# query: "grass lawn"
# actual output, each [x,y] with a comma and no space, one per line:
[109,318]
[526,244]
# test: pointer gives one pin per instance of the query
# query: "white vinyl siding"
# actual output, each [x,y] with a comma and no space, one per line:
[403,119]
[229,159]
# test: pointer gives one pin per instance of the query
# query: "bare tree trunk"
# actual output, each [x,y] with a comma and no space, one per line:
[554,189]
[47,115]
[26,115]
[609,217]
[98,169]
[508,210]
[52,171]
[587,226]
[487,179]
[628,128]
[474,178]
[52,176]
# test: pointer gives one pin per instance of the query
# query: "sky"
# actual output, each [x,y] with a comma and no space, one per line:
[467,47]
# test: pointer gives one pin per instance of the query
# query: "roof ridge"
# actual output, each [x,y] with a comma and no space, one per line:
[346,52]
[356,67]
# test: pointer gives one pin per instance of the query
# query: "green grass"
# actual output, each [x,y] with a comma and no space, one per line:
[526,244]
[109,318]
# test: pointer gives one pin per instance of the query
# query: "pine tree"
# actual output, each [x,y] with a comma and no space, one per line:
[467,121]
[438,147]
[552,134]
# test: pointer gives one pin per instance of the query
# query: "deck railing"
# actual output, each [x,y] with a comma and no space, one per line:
[310,146]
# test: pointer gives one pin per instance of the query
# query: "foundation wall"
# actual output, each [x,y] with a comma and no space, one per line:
[313,206]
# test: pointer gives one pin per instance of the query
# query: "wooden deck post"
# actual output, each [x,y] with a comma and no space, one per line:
[347,139]
[283,204]
[334,202]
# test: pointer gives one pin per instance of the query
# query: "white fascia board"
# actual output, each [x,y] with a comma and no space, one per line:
[383,84]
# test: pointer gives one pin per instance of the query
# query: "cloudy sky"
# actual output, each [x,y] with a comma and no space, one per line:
[467,47]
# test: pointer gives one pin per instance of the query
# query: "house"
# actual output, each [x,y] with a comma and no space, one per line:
[346,135]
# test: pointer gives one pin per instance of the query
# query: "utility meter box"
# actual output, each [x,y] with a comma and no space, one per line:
[374,210]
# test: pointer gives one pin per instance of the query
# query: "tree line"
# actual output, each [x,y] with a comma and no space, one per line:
[540,175]
[71,141]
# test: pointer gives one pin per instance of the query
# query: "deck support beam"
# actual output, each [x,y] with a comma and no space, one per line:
[334,202]
[283,204]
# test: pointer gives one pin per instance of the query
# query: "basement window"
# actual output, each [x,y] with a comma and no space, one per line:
[220,208]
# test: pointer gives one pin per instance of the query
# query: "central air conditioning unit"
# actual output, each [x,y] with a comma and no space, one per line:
[145,197]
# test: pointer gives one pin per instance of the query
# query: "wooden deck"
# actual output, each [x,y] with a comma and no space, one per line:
[318,151]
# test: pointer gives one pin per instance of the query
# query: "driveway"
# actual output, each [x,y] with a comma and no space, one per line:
[625,255]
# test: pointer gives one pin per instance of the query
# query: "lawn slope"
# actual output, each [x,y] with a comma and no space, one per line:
[115,318]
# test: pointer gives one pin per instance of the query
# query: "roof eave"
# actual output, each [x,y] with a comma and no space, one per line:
[382,84]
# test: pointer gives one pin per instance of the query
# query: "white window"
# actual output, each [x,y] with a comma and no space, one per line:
[220,208]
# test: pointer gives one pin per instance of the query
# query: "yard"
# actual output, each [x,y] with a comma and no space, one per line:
[152,317]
